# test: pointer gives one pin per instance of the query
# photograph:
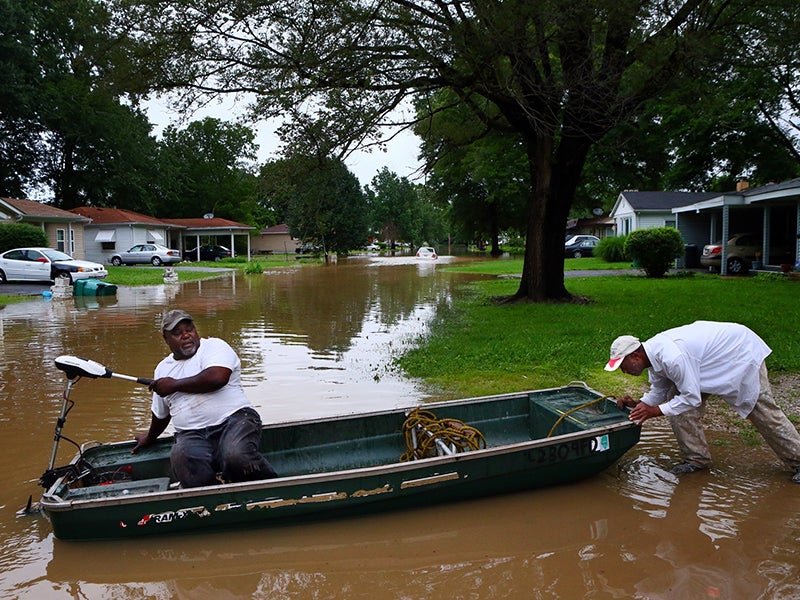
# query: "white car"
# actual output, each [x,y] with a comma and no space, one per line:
[142,254]
[46,264]
[427,252]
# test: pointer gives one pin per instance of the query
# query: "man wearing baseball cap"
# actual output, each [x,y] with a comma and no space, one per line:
[198,387]
[688,363]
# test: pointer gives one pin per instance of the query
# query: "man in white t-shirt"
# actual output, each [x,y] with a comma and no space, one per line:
[199,389]
[688,363]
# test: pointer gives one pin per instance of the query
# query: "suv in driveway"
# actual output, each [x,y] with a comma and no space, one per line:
[741,250]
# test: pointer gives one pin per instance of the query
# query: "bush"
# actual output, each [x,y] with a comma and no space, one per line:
[612,249]
[14,235]
[655,249]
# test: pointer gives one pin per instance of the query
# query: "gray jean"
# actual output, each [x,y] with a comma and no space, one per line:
[230,449]
[767,417]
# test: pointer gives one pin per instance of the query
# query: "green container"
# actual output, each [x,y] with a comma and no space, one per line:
[94,287]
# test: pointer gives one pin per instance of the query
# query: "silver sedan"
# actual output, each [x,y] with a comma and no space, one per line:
[142,254]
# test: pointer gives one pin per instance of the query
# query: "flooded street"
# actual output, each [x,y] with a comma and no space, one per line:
[321,341]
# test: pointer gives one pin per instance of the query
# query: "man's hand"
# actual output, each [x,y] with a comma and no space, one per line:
[142,440]
[641,412]
[626,401]
[164,386]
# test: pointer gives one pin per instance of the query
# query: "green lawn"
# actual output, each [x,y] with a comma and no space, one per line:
[477,347]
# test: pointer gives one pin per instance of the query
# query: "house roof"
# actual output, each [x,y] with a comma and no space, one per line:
[664,200]
[32,210]
[117,216]
[282,229]
[213,223]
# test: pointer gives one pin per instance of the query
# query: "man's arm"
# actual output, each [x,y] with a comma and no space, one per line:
[208,380]
[157,427]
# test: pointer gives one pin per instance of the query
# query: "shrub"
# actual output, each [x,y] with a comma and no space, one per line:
[612,249]
[14,235]
[654,249]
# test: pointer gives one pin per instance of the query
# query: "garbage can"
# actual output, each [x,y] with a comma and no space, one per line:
[692,256]
[94,287]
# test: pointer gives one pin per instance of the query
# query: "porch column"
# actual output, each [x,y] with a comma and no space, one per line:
[723,265]
[765,236]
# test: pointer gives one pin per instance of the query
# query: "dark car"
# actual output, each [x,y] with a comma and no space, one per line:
[308,249]
[583,246]
[209,253]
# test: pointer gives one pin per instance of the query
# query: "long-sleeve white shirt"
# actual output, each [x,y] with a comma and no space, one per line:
[705,357]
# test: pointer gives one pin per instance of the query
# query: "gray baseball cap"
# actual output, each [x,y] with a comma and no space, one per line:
[173,317]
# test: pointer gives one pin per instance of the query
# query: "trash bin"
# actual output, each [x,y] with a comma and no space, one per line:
[692,256]
[94,287]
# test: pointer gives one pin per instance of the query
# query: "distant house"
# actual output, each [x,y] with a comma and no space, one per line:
[275,240]
[113,230]
[601,226]
[642,210]
[65,230]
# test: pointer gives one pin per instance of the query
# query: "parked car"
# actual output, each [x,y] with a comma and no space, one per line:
[427,252]
[372,247]
[210,253]
[583,245]
[308,249]
[141,254]
[741,251]
[46,264]
[574,239]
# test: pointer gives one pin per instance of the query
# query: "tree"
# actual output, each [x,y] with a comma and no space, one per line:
[19,146]
[321,200]
[394,208]
[480,174]
[207,167]
[561,73]
[63,125]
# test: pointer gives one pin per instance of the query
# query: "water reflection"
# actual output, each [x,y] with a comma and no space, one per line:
[320,341]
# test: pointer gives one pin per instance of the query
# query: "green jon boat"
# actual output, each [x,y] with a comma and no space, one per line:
[348,465]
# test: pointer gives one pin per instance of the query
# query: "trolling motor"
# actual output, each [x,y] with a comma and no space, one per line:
[75,367]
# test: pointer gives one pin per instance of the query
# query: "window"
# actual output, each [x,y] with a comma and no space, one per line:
[60,240]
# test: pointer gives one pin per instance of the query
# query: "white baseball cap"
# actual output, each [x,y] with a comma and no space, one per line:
[622,346]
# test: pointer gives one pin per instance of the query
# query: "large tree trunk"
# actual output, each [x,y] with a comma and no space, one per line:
[554,178]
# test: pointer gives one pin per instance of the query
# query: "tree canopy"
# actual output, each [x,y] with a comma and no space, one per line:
[560,74]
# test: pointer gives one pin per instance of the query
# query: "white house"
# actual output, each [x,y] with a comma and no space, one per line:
[113,230]
[643,210]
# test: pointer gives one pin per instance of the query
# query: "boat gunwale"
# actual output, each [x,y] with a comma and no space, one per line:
[52,502]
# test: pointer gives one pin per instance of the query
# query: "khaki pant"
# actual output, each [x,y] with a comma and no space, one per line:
[767,417]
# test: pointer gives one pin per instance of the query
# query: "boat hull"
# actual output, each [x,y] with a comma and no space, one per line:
[349,465]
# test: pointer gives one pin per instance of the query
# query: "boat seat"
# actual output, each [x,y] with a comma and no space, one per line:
[123,488]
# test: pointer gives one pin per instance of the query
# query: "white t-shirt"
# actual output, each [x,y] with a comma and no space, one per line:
[196,411]
[705,357]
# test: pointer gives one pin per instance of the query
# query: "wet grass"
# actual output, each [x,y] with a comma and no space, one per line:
[477,347]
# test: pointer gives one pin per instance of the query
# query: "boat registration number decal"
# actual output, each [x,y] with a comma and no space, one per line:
[567,450]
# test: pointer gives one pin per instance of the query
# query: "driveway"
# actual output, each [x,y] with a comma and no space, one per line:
[25,288]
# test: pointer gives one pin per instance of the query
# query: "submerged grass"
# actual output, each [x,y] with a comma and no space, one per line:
[478,347]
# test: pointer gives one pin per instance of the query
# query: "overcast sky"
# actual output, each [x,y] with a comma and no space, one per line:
[400,155]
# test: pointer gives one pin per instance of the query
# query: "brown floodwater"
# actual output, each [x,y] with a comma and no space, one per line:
[320,341]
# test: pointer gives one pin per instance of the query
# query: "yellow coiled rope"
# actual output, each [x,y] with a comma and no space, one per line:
[427,436]
[572,410]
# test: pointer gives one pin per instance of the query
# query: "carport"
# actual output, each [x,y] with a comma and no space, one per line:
[211,227]
[772,212]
